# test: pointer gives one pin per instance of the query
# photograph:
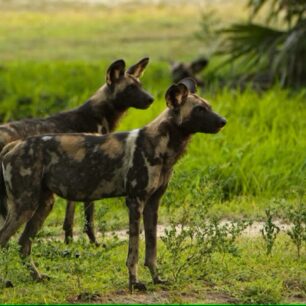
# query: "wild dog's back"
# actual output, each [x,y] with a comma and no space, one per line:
[83,167]
[27,127]
[74,166]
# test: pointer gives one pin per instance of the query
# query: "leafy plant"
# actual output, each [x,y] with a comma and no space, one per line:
[220,237]
[269,231]
[192,240]
[180,248]
[297,233]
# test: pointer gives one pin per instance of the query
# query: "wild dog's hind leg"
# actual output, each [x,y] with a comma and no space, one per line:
[135,210]
[89,222]
[30,231]
[68,222]
[150,216]
[14,219]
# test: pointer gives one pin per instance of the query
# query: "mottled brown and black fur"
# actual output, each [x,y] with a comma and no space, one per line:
[100,114]
[136,164]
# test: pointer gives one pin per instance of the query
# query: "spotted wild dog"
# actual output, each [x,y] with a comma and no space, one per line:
[100,114]
[136,164]
[180,70]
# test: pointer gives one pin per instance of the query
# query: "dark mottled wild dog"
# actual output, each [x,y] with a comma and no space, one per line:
[100,114]
[181,70]
[135,164]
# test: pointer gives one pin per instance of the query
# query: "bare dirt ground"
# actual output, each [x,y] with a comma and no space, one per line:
[251,231]
[158,296]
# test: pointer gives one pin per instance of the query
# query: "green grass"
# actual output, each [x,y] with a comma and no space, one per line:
[101,33]
[251,277]
[71,32]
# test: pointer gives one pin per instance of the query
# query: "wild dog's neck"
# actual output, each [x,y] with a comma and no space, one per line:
[103,108]
[166,127]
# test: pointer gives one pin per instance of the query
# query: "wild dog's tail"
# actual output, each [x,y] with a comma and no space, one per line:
[3,210]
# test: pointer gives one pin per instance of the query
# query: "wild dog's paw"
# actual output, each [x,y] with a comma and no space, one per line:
[139,286]
[8,284]
[97,244]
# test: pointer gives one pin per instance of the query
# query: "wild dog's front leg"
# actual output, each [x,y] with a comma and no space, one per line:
[68,222]
[135,210]
[30,231]
[150,216]
[89,222]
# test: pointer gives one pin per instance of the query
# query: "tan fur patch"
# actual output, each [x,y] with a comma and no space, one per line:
[154,125]
[9,128]
[105,187]
[54,158]
[10,147]
[112,147]
[100,95]
[25,171]
[126,81]
[7,174]
[187,107]
[5,137]
[191,102]
[72,146]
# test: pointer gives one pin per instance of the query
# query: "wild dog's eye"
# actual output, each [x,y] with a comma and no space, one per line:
[132,87]
[200,109]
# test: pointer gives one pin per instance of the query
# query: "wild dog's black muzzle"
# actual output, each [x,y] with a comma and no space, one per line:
[222,122]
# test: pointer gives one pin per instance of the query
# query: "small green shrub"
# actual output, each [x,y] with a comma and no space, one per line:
[297,233]
[193,238]
[269,231]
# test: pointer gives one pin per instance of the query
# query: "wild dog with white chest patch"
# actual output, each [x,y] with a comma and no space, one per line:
[100,114]
[136,165]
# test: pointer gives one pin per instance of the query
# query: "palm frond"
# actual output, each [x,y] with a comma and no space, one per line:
[250,42]
[282,53]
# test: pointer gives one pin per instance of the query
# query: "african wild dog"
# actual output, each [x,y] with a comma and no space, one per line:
[100,114]
[181,70]
[135,164]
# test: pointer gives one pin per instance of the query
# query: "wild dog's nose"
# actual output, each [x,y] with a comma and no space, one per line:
[222,122]
[150,99]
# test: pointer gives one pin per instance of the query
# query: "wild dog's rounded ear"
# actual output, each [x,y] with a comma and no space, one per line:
[137,69]
[190,83]
[198,65]
[115,71]
[176,95]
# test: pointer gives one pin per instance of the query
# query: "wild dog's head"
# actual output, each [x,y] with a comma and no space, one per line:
[125,87]
[181,70]
[190,112]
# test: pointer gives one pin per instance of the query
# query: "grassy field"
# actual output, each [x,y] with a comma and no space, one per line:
[54,57]
[93,33]
[93,275]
